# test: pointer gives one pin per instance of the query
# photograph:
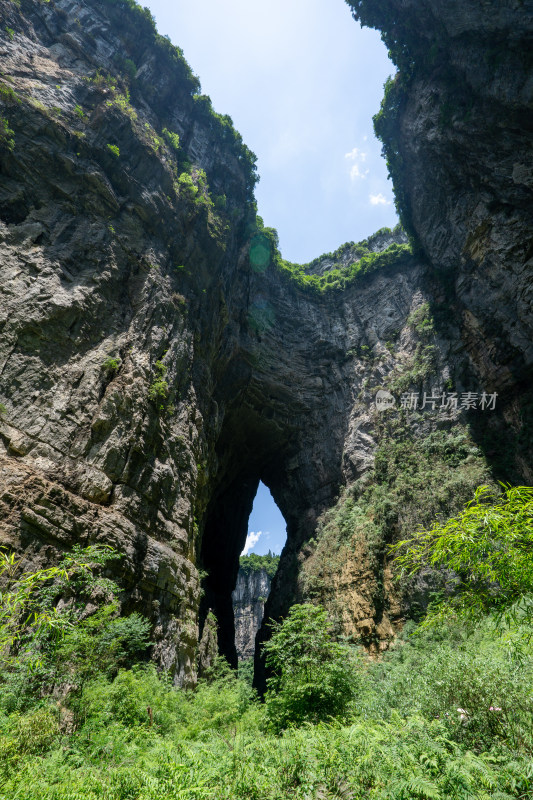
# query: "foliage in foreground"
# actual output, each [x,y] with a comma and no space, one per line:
[448,713]
[489,547]
[212,743]
[312,676]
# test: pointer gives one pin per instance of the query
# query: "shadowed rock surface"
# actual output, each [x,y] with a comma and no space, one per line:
[156,362]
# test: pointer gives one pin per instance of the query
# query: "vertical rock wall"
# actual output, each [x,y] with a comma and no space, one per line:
[249,597]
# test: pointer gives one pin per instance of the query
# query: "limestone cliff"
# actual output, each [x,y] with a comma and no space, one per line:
[249,596]
[158,358]
[457,128]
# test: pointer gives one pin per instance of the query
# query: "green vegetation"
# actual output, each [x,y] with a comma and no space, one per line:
[489,546]
[80,112]
[111,364]
[418,369]
[113,148]
[7,135]
[7,94]
[312,679]
[17,601]
[220,202]
[416,480]
[412,54]
[10,32]
[3,409]
[130,68]
[172,138]
[446,713]
[421,320]
[466,682]
[187,186]
[264,251]
[159,391]
[137,27]
[255,563]
[423,361]
[122,101]
[394,29]
[387,129]
[226,133]
[194,187]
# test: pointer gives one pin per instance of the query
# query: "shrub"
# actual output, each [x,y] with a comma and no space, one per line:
[111,364]
[37,731]
[187,186]
[101,643]
[172,138]
[159,390]
[436,672]
[7,135]
[114,150]
[313,678]
[489,546]
[7,95]
[130,68]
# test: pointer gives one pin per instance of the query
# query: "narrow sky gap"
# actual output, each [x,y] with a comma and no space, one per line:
[301,81]
[266,526]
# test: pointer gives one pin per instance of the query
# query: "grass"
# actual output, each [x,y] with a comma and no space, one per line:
[404,739]
[446,713]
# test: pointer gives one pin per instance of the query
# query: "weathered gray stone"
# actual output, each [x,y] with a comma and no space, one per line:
[249,596]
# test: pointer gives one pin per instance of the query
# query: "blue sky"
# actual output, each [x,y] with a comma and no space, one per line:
[301,81]
[266,526]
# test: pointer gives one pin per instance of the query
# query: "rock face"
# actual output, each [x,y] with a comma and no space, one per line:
[457,130]
[157,360]
[249,596]
[110,268]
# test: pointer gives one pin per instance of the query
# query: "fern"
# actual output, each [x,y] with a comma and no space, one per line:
[417,787]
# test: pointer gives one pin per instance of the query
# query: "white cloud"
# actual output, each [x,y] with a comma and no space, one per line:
[356,172]
[251,541]
[355,155]
[378,200]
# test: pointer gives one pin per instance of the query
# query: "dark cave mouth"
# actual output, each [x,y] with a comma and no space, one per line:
[224,539]
[258,564]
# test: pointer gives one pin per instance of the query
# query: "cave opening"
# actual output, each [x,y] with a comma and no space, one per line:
[243,518]
[267,528]
[267,534]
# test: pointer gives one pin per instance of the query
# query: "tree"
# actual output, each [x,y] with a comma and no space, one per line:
[313,676]
[489,546]
[17,601]
[62,625]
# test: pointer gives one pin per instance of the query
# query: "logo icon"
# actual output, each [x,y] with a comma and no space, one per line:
[384,400]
